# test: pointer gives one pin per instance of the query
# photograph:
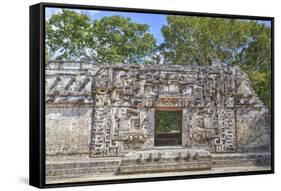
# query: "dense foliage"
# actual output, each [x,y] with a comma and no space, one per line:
[114,39]
[187,40]
[202,40]
[67,36]
[167,121]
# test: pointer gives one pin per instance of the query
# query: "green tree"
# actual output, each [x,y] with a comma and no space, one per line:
[67,36]
[122,41]
[202,40]
[256,61]
[115,39]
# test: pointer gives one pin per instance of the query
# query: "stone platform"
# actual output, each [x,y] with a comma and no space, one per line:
[160,174]
[77,167]
[241,159]
[153,163]
[164,160]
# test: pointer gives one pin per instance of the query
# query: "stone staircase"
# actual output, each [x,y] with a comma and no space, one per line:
[165,160]
[73,169]
[240,159]
[162,159]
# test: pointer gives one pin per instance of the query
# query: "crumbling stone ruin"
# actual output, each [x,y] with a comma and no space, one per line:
[109,111]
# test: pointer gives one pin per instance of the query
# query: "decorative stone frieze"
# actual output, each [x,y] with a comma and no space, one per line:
[220,110]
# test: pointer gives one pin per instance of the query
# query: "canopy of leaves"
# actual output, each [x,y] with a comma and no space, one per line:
[121,40]
[114,39]
[255,60]
[167,121]
[67,36]
[203,40]
[187,40]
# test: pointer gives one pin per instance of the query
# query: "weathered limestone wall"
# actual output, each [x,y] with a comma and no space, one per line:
[68,108]
[211,99]
[253,123]
[253,132]
[109,110]
[68,130]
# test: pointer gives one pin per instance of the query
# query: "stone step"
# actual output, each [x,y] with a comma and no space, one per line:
[83,164]
[165,167]
[79,175]
[160,159]
[241,159]
[228,156]
[76,172]
[91,166]
[165,160]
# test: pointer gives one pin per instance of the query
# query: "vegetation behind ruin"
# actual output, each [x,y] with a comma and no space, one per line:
[72,36]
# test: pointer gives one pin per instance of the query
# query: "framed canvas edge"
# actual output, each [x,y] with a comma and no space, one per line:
[37,89]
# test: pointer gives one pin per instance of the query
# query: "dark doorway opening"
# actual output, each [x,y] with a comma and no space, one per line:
[167,130]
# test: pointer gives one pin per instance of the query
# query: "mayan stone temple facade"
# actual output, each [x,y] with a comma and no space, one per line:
[107,113]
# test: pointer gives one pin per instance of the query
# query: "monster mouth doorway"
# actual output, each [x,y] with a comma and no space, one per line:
[168,127]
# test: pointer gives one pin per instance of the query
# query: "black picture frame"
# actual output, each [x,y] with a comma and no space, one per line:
[37,94]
